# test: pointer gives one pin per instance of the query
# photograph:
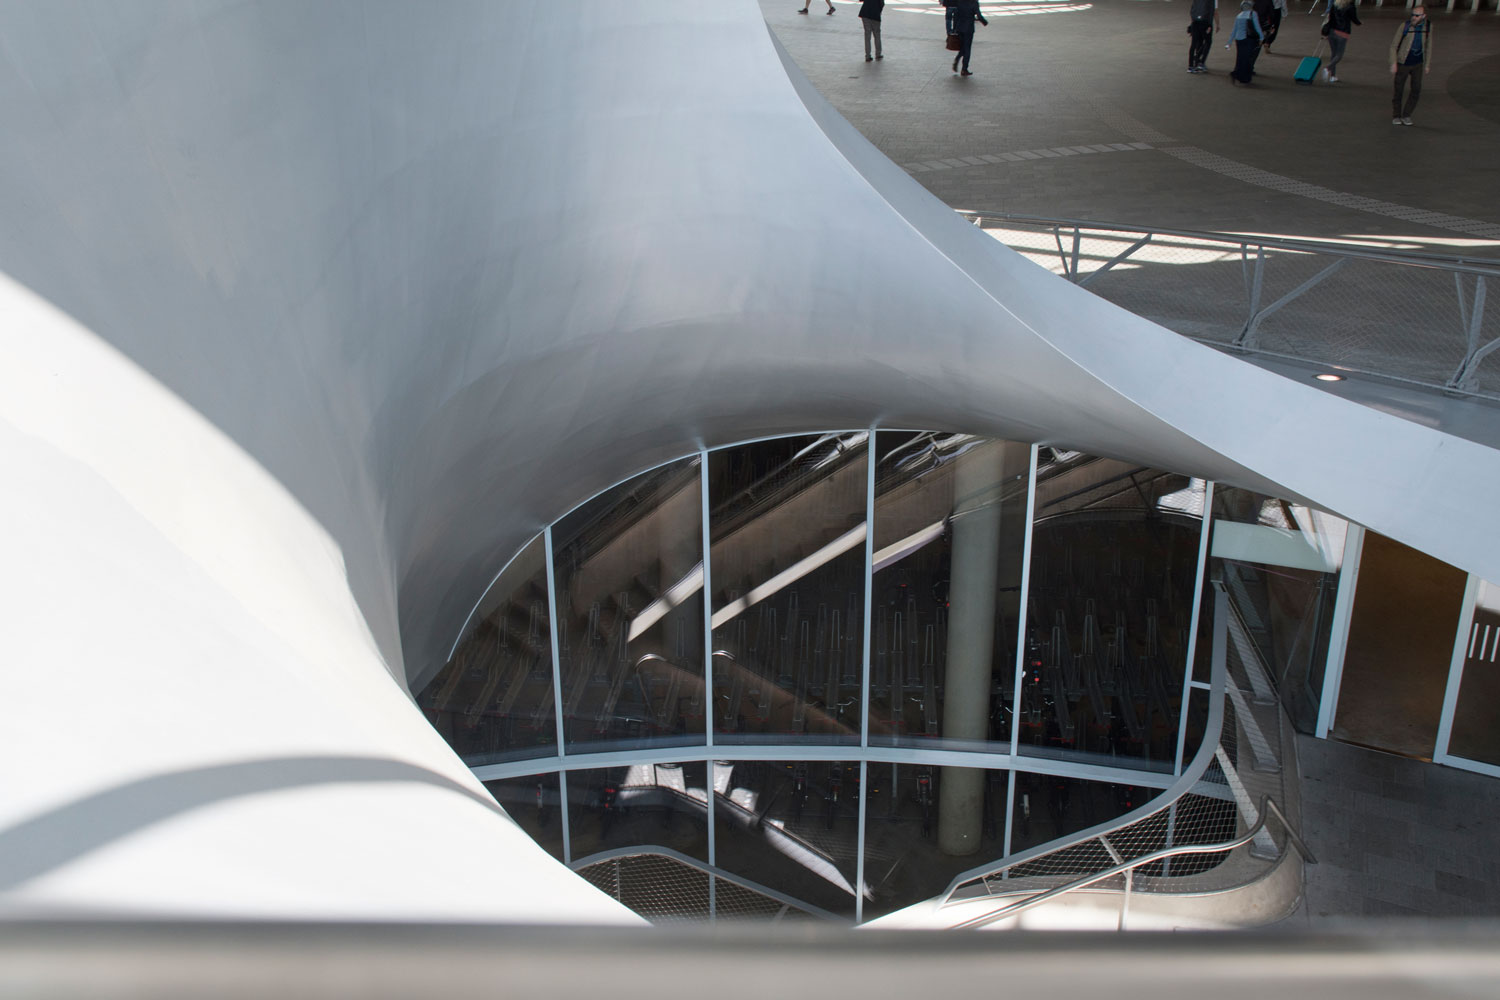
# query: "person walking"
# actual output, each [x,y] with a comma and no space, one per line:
[869,16]
[809,4]
[1271,21]
[1342,17]
[1205,21]
[1411,59]
[1245,35]
[961,17]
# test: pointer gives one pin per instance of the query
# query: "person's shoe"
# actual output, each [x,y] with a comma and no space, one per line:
[1395,121]
[869,59]
[1333,79]
[1406,120]
[1327,76]
[830,10]
[878,56]
[802,11]
[967,73]
[1192,69]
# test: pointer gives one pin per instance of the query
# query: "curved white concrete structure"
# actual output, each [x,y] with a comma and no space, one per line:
[311,315]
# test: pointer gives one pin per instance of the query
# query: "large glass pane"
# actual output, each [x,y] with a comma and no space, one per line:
[657,808]
[629,576]
[1476,717]
[788,523]
[950,529]
[1048,807]
[535,804]
[493,700]
[1279,563]
[791,828]
[905,862]
[1114,559]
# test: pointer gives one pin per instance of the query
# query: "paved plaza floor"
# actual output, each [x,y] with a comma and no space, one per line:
[1278,158]
[1086,110]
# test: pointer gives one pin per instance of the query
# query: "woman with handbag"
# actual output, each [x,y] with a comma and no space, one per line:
[961,17]
[1342,17]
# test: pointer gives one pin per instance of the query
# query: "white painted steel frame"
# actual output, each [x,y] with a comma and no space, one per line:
[864,694]
[823,752]
[1461,640]
[1455,682]
[1338,637]
[1204,530]
[1020,674]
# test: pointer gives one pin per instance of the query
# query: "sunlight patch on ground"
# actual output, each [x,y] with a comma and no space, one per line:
[991,8]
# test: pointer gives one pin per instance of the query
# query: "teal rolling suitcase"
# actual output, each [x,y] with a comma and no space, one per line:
[1307,69]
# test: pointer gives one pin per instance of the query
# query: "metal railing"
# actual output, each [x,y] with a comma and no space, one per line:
[1188,839]
[1268,807]
[1410,316]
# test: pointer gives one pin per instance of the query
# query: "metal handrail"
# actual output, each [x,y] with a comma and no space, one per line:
[1192,774]
[1267,806]
[1489,267]
[1462,380]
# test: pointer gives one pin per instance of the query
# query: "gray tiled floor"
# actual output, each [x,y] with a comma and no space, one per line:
[1395,837]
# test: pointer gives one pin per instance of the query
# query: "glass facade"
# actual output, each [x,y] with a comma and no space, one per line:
[493,700]
[639,805]
[900,556]
[904,861]
[792,827]
[949,532]
[1279,563]
[1113,565]
[787,529]
[628,570]
[534,801]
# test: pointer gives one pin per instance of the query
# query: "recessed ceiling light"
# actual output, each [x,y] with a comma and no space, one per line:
[1328,377]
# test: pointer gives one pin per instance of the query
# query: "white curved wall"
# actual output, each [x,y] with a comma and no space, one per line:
[315,312]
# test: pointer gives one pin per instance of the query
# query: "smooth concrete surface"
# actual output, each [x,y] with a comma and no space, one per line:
[313,314]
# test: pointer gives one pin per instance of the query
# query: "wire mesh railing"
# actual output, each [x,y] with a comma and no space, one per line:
[1204,834]
[666,886]
[1412,317]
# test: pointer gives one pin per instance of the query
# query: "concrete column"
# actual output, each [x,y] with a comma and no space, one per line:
[971,640]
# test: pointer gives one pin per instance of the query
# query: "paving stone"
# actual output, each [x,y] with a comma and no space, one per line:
[1468,888]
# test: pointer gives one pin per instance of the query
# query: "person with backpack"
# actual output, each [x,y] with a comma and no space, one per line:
[1411,59]
[1342,17]
[1246,35]
[1205,21]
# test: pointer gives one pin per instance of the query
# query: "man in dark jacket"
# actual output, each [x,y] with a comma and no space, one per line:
[1205,21]
[1411,59]
[869,16]
[961,17]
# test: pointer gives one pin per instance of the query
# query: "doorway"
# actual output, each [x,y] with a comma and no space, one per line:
[1401,633]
